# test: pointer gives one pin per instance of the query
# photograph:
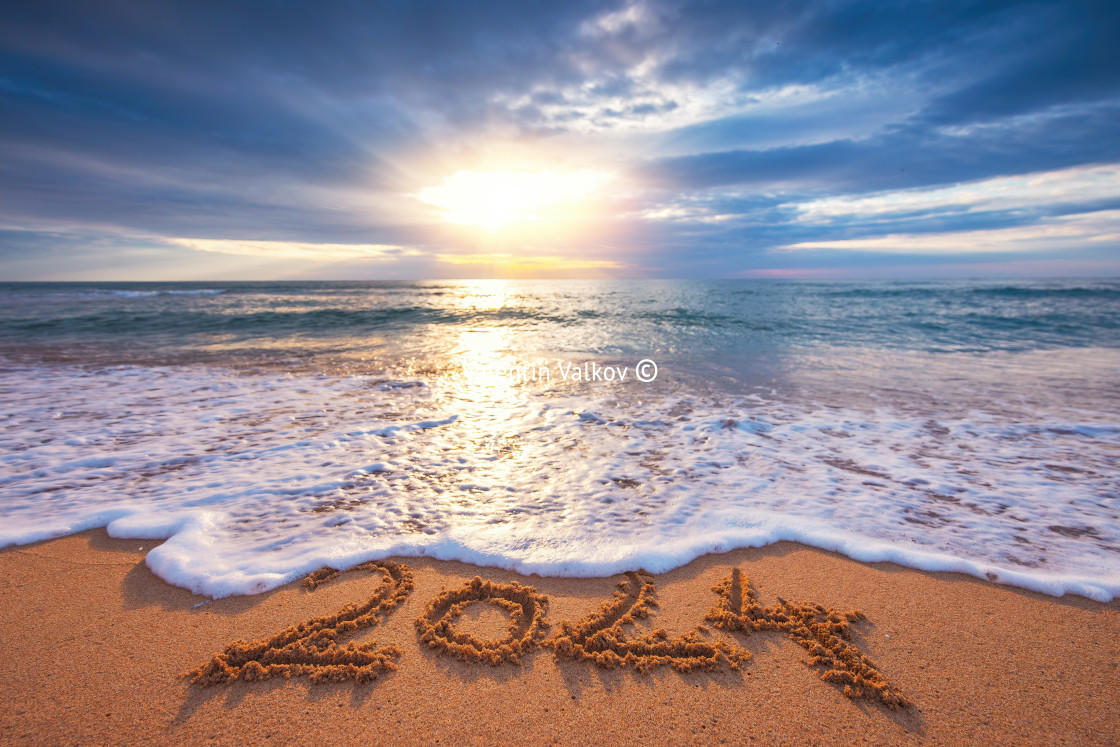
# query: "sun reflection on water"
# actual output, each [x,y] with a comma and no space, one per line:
[483,354]
[482,295]
[480,388]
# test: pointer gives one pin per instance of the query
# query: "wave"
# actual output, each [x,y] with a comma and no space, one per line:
[256,479]
[119,293]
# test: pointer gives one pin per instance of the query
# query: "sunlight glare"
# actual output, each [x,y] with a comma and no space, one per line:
[497,198]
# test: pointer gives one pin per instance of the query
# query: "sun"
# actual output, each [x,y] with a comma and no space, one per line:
[494,199]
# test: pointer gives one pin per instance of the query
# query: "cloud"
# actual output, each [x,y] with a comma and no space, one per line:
[1047,189]
[1050,55]
[1079,231]
[530,263]
[292,249]
[907,156]
[686,214]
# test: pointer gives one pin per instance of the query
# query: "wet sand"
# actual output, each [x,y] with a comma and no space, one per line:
[97,648]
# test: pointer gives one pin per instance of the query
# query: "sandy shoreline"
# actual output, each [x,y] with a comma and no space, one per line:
[96,648]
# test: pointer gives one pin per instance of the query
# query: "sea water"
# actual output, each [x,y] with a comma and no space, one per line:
[268,429]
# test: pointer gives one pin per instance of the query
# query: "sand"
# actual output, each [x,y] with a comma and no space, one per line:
[96,650]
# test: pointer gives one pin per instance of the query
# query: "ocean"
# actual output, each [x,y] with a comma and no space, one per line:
[576,428]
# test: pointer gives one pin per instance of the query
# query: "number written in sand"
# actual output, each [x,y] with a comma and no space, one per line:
[606,638]
[311,648]
[602,637]
[527,626]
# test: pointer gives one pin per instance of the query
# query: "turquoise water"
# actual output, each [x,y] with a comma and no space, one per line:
[684,320]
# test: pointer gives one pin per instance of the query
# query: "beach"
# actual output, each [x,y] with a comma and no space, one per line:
[787,518]
[97,649]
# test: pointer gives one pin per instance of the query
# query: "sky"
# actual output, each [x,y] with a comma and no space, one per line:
[231,140]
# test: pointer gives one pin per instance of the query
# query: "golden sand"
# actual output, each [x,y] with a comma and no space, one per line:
[95,647]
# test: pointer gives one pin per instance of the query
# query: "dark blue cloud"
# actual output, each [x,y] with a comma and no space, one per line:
[907,156]
[1066,55]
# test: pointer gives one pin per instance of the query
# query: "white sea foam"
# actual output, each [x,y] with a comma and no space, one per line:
[256,479]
